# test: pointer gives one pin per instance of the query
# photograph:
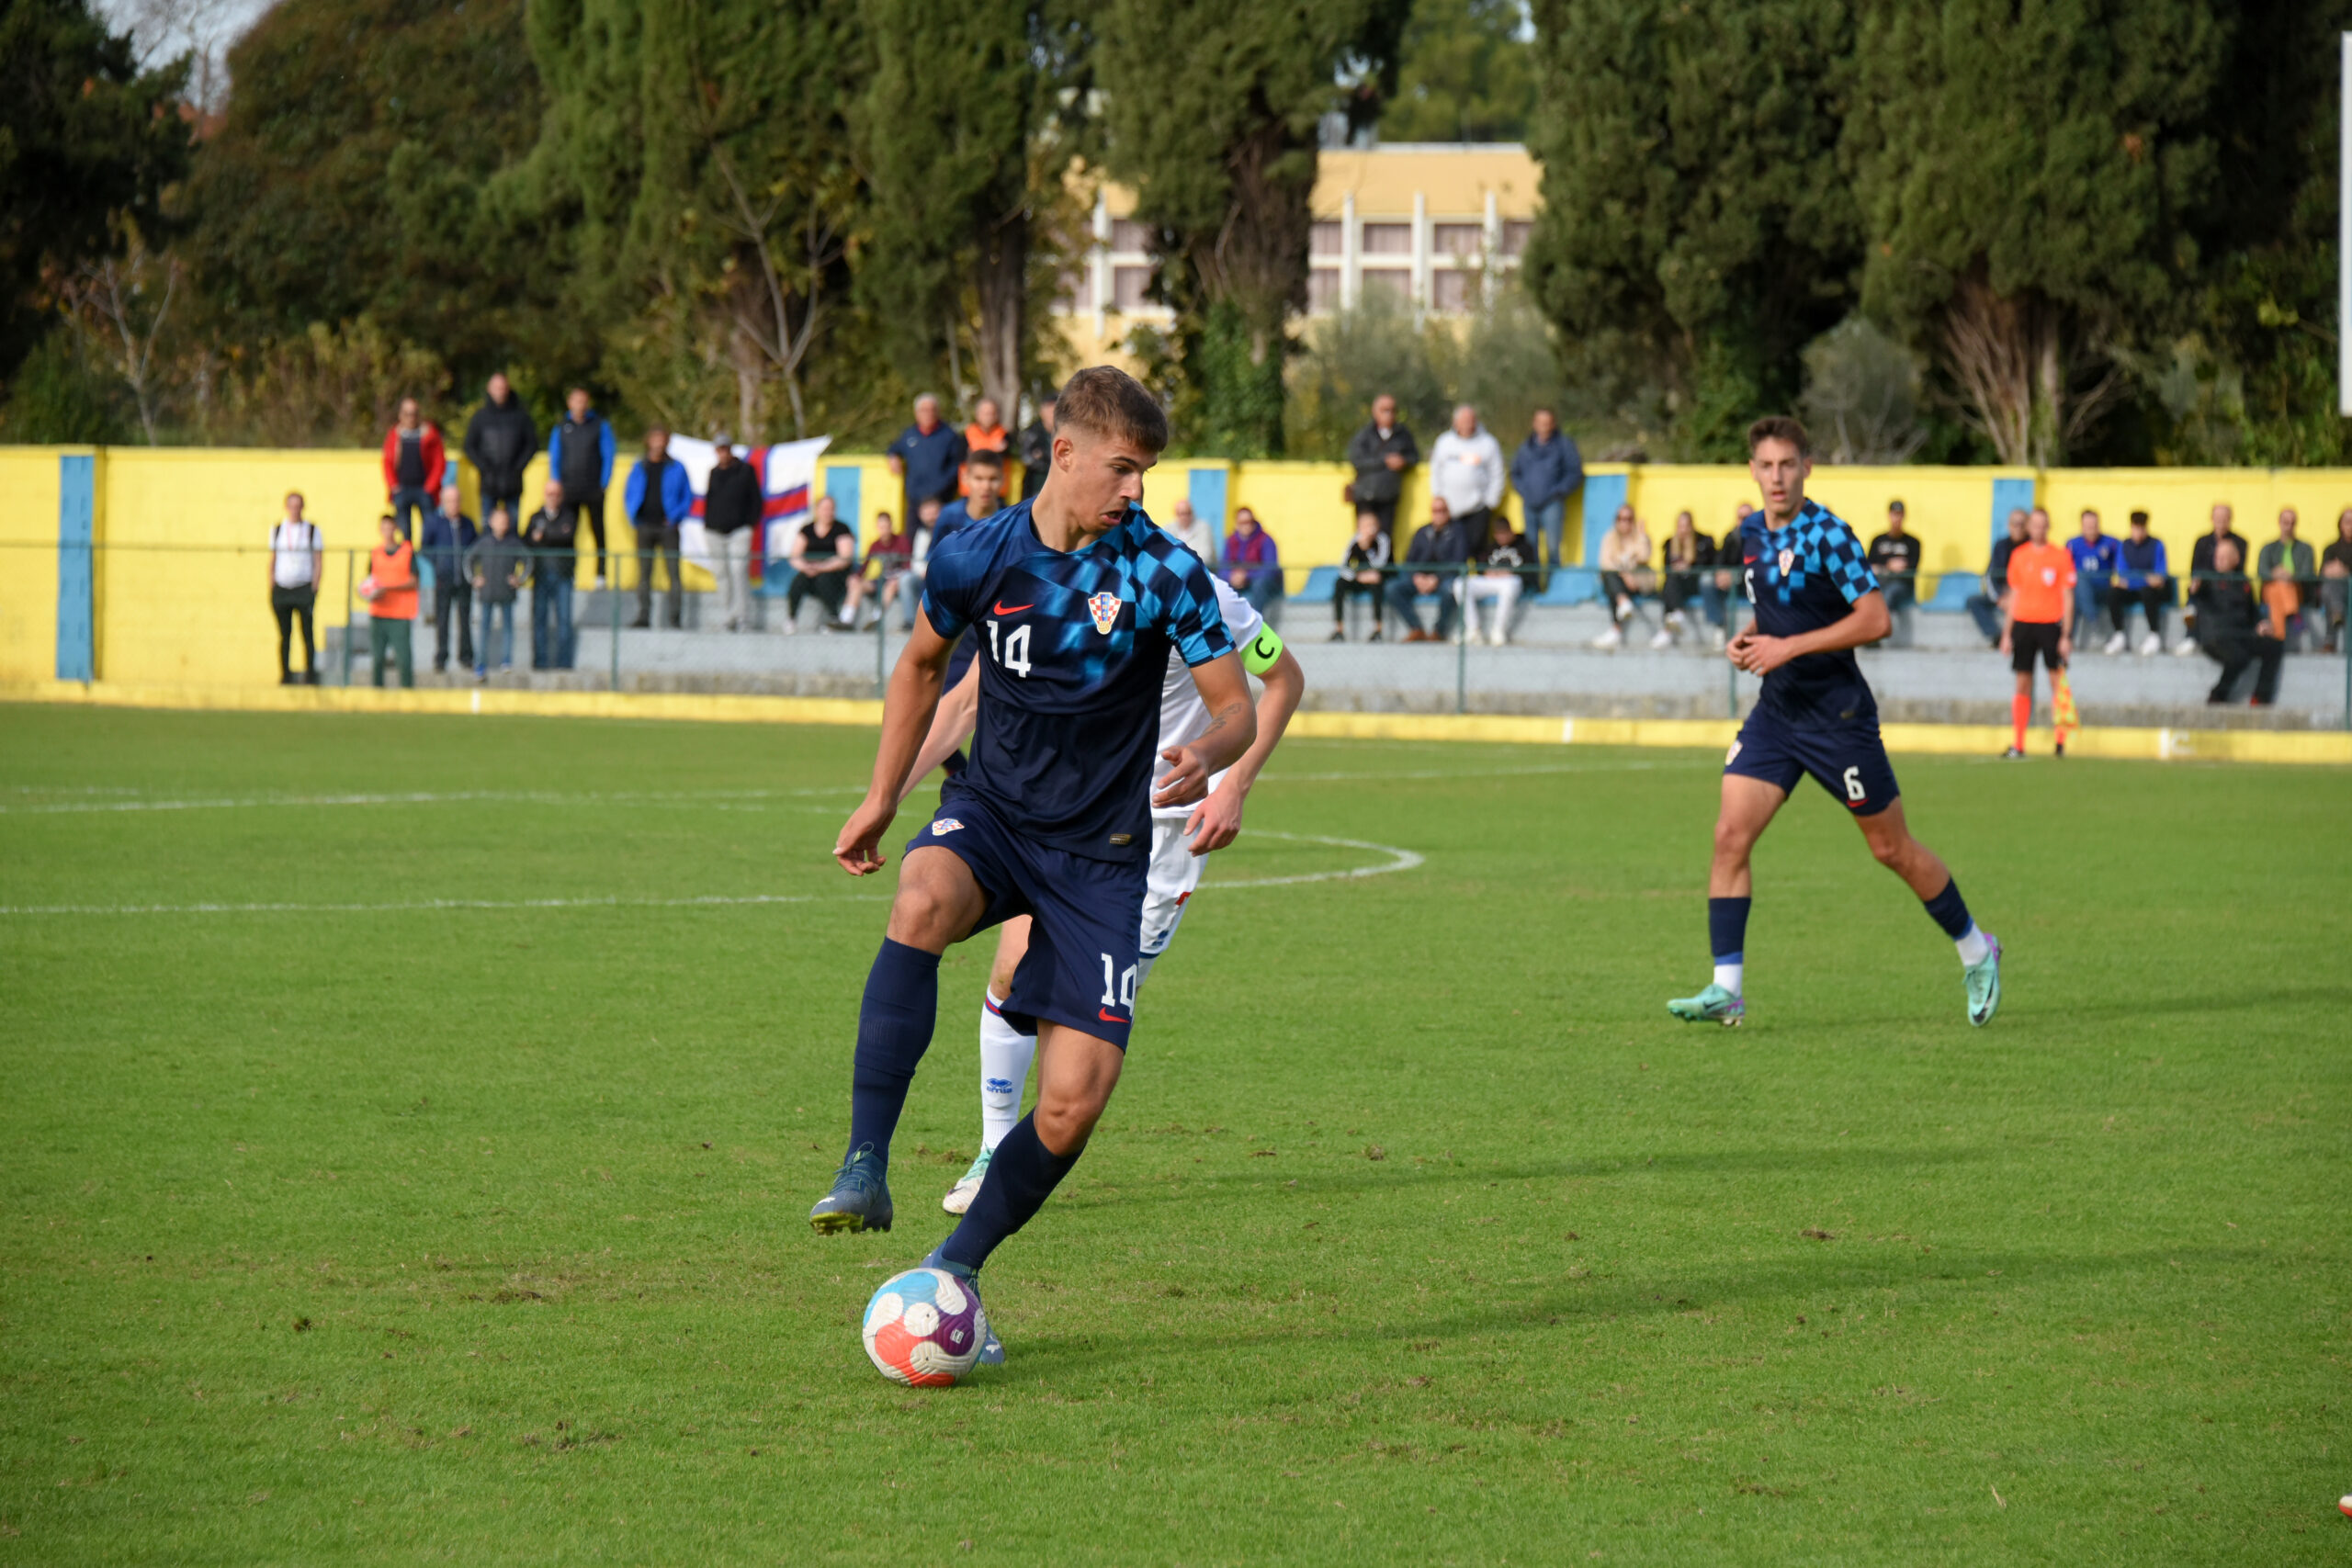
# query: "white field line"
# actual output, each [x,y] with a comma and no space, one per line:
[1398,860]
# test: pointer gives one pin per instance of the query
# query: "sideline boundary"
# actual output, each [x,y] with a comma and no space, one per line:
[2323,748]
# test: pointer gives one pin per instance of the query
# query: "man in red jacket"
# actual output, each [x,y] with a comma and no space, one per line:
[413,464]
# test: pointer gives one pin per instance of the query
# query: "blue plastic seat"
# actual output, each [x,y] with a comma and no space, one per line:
[1317,588]
[1571,585]
[1952,592]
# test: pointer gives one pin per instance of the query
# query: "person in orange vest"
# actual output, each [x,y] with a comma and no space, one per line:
[390,589]
[2039,612]
[985,433]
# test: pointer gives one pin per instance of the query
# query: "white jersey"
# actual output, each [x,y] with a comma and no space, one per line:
[1184,717]
[290,546]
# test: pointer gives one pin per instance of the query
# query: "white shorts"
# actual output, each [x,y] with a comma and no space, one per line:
[1169,882]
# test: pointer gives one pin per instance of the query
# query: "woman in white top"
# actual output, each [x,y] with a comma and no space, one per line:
[297,561]
[1624,572]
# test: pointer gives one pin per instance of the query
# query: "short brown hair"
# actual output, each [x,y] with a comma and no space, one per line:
[1778,428]
[1106,400]
[984,457]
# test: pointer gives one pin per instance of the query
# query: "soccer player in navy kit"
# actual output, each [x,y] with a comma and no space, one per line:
[1079,600]
[1817,601]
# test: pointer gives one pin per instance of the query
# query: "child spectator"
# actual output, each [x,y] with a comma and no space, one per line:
[496,565]
[296,559]
[1624,572]
[1363,575]
[390,589]
[889,560]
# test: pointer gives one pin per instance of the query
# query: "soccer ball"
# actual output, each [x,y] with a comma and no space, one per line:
[925,1328]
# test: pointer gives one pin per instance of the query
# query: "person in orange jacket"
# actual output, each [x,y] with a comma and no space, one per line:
[2039,620]
[390,589]
[413,465]
[985,433]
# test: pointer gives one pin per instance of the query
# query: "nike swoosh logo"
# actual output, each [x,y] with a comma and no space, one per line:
[1108,1017]
[1004,609]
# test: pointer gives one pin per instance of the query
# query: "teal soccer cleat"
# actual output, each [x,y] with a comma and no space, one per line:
[968,1186]
[1713,1005]
[1984,984]
[860,1200]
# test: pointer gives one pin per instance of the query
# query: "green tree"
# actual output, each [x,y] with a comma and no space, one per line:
[1212,114]
[1465,72]
[2032,177]
[1697,230]
[346,180]
[86,139]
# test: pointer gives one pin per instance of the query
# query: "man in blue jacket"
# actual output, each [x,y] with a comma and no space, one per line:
[2142,577]
[580,456]
[2096,556]
[1546,470]
[449,534]
[658,500]
[927,457]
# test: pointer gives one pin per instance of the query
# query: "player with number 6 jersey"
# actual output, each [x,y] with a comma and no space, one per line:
[1080,599]
[1817,601]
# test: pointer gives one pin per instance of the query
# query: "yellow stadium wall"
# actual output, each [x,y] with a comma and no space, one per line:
[183,532]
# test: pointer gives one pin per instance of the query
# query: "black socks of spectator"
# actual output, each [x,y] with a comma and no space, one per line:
[1949,910]
[1023,1174]
[894,1025]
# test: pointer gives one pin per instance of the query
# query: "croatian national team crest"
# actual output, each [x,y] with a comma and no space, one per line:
[1788,559]
[944,827]
[1104,608]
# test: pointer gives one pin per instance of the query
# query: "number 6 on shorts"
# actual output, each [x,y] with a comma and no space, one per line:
[1854,790]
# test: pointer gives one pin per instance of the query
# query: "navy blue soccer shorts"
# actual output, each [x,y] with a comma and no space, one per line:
[1849,759]
[1084,959]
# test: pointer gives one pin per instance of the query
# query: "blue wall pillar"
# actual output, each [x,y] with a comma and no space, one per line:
[1603,494]
[77,496]
[1207,492]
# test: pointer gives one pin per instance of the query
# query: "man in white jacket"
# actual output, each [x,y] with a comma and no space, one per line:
[1466,472]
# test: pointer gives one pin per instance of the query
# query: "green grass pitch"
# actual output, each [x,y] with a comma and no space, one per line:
[359,1230]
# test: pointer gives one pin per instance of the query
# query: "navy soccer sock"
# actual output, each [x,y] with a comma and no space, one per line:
[1727,929]
[1950,911]
[894,1027]
[1021,1175]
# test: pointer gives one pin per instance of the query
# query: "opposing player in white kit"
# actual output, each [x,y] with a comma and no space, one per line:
[1180,836]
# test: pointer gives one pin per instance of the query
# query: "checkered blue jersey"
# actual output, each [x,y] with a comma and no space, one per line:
[1073,649]
[1802,577]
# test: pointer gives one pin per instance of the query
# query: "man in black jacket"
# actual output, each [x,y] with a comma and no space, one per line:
[500,440]
[1432,565]
[731,508]
[2230,626]
[2204,563]
[1037,448]
[1380,453]
[551,534]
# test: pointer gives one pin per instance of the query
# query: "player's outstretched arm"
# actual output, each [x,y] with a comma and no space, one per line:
[907,709]
[1867,622]
[958,715]
[1225,691]
[1218,821]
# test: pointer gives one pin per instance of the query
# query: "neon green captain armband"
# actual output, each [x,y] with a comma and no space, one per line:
[1261,651]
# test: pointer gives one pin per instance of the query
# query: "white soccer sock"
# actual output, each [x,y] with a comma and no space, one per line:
[1005,1055]
[1973,946]
[1727,977]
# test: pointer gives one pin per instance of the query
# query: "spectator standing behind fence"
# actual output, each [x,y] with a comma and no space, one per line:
[928,458]
[297,561]
[2231,630]
[732,505]
[1624,572]
[1894,558]
[1252,562]
[390,589]
[658,499]
[986,432]
[890,561]
[2284,565]
[2336,578]
[1432,563]
[413,465]
[1545,470]
[2040,624]
[2143,577]
[1987,608]
[580,454]
[499,440]
[449,534]
[1380,453]
[1037,448]
[2097,559]
[496,567]
[1688,567]
[1502,565]
[555,564]
[1362,575]
[2201,565]
[1467,470]
[823,559]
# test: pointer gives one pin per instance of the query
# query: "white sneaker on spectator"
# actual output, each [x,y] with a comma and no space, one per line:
[1664,640]
[1624,609]
[1614,638]
[2186,647]
[1498,638]
[2152,643]
[1717,638]
[2118,643]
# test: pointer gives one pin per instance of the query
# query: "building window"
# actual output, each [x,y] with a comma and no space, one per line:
[1071,293]
[1129,288]
[1458,239]
[1130,238]
[1388,239]
[1327,240]
[1515,234]
[1394,282]
[1453,290]
[1323,290]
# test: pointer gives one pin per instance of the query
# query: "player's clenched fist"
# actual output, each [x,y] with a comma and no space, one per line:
[858,848]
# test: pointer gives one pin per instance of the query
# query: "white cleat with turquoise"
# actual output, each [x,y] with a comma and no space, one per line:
[1713,1005]
[1984,984]
[968,1186]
